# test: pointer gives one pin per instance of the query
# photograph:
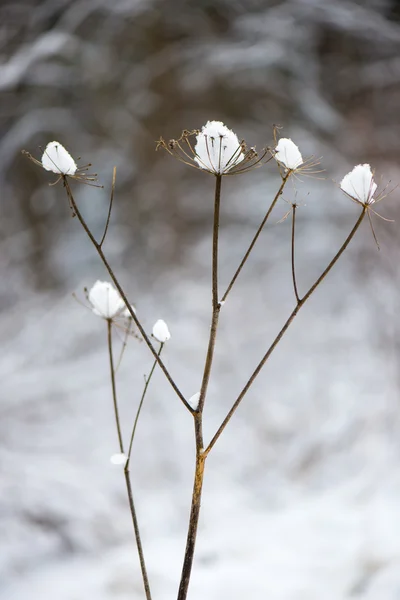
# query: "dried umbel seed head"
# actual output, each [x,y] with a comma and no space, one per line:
[58,160]
[215,149]
[288,156]
[360,185]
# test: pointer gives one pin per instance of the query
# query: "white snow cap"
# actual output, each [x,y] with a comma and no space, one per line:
[105,300]
[217,148]
[194,400]
[288,154]
[360,184]
[119,459]
[161,331]
[56,159]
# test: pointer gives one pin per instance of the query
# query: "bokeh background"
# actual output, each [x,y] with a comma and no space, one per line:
[302,493]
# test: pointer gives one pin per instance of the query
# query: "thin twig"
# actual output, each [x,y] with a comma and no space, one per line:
[256,236]
[282,332]
[114,392]
[110,206]
[124,345]
[126,471]
[296,293]
[123,296]
[146,385]
[138,539]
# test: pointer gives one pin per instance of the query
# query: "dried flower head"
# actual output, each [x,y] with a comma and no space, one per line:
[360,186]
[58,160]
[161,331]
[288,156]
[216,149]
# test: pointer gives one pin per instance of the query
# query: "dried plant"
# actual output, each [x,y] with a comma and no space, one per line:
[215,150]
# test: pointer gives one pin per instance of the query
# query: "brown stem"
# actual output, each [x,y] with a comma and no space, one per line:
[114,391]
[109,207]
[145,578]
[296,293]
[255,238]
[123,296]
[198,414]
[282,332]
[215,304]
[146,385]
[126,471]
[194,513]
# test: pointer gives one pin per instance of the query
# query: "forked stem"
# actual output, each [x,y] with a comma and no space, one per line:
[278,338]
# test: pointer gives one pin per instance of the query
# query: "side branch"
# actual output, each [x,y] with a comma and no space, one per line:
[109,207]
[283,331]
[146,385]
[255,238]
[296,293]
[123,296]
[113,386]
[126,471]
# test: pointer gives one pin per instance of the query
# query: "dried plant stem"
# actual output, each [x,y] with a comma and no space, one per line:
[296,293]
[266,356]
[109,207]
[198,414]
[256,236]
[113,386]
[126,471]
[194,511]
[146,385]
[215,304]
[138,539]
[100,252]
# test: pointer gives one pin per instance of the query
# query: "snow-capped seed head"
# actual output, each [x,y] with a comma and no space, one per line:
[217,148]
[359,184]
[56,159]
[105,300]
[161,331]
[118,459]
[194,400]
[288,154]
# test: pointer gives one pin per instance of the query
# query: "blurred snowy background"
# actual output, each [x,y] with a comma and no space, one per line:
[302,493]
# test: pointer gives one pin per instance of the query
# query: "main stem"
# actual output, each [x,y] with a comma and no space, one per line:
[278,338]
[126,471]
[198,415]
[194,512]
[216,307]
[123,296]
